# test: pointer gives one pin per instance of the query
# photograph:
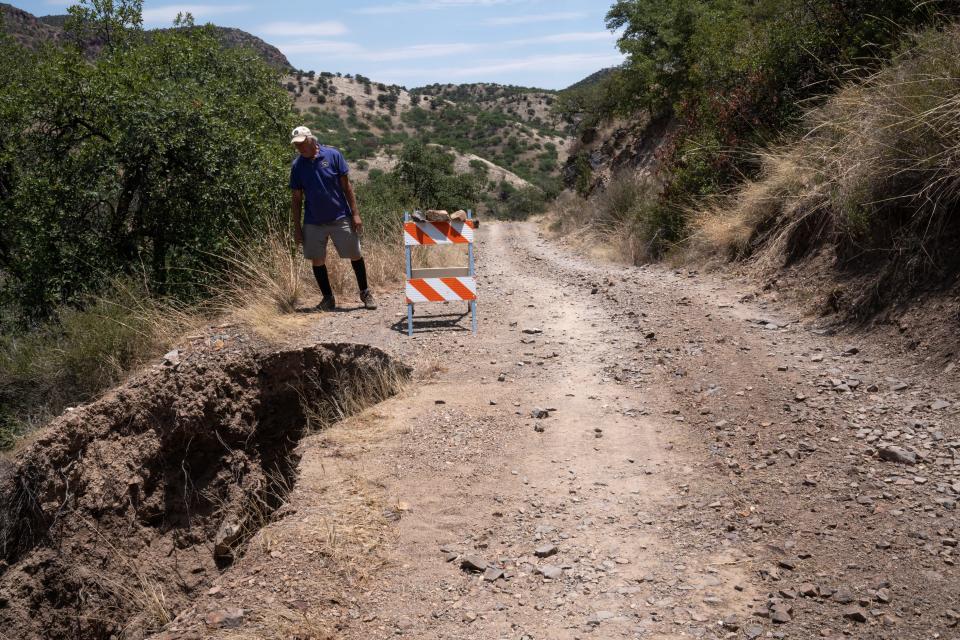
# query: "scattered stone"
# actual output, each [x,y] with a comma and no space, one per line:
[225,618]
[939,405]
[843,596]
[539,413]
[492,574]
[599,617]
[469,617]
[808,590]
[550,571]
[753,632]
[883,596]
[546,551]
[855,613]
[731,622]
[897,454]
[851,351]
[532,331]
[472,563]
[172,357]
[780,615]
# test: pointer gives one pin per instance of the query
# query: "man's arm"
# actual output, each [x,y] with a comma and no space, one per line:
[356,223]
[296,208]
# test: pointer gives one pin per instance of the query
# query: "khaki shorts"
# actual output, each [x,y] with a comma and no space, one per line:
[344,239]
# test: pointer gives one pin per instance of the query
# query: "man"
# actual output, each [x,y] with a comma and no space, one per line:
[319,175]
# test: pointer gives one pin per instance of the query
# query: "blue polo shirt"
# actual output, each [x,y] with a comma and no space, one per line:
[319,179]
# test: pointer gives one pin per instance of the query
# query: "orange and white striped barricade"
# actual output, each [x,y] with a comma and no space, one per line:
[440,285]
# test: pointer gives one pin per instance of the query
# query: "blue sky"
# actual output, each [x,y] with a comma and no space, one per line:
[541,43]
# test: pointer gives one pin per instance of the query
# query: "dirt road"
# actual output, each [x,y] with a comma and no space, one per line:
[622,452]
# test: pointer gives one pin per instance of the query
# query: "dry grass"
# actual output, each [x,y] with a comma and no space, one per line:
[351,394]
[269,281]
[139,593]
[605,234]
[83,352]
[728,226]
[877,178]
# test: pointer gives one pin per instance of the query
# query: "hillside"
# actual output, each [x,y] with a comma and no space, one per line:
[26,29]
[511,129]
[32,31]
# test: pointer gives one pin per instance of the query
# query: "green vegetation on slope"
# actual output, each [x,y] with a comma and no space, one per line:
[489,134]
[876,178]
[146,164]
[734,75]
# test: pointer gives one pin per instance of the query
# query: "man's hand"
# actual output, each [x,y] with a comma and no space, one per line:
[357,224]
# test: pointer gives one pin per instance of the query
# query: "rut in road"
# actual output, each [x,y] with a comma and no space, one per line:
[710,467]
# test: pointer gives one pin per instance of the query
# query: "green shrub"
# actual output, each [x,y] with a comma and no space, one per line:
[80,352]
[143,156]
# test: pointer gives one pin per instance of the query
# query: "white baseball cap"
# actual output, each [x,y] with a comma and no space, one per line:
[299,135]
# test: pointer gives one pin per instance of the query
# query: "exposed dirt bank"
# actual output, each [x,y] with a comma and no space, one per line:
[115,517]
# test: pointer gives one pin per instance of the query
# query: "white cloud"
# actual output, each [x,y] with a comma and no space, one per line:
[202,12]
[545,64]
[430,5]
[563,38]
[334,49]
[330,48]
[546,17]
[317,29]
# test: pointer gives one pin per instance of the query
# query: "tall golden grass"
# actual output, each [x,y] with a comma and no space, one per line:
[877,175]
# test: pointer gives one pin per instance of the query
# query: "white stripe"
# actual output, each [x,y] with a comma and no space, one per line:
[433,232]
[464,229]
[413,295]
[445,292]
[430,230]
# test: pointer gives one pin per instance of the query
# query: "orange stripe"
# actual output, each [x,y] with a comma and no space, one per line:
[459,288]
[418,235]
[426,290]
[452,234]
[446,228]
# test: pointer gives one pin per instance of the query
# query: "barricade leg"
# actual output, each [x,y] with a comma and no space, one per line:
[473,311]
[410,319]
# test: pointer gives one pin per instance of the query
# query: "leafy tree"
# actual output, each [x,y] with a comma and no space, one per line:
[151,156]
[113,24]
[429,175]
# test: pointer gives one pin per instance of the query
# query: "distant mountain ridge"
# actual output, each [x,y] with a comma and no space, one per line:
[32,31]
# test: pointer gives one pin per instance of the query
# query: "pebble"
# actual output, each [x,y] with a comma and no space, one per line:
[473,563]
[855,613]
[897,454]
[492,574]
[550,571]
[225,618]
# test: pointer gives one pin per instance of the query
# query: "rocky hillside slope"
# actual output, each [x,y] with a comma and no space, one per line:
[32,31]
[371,120]
[27,29]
